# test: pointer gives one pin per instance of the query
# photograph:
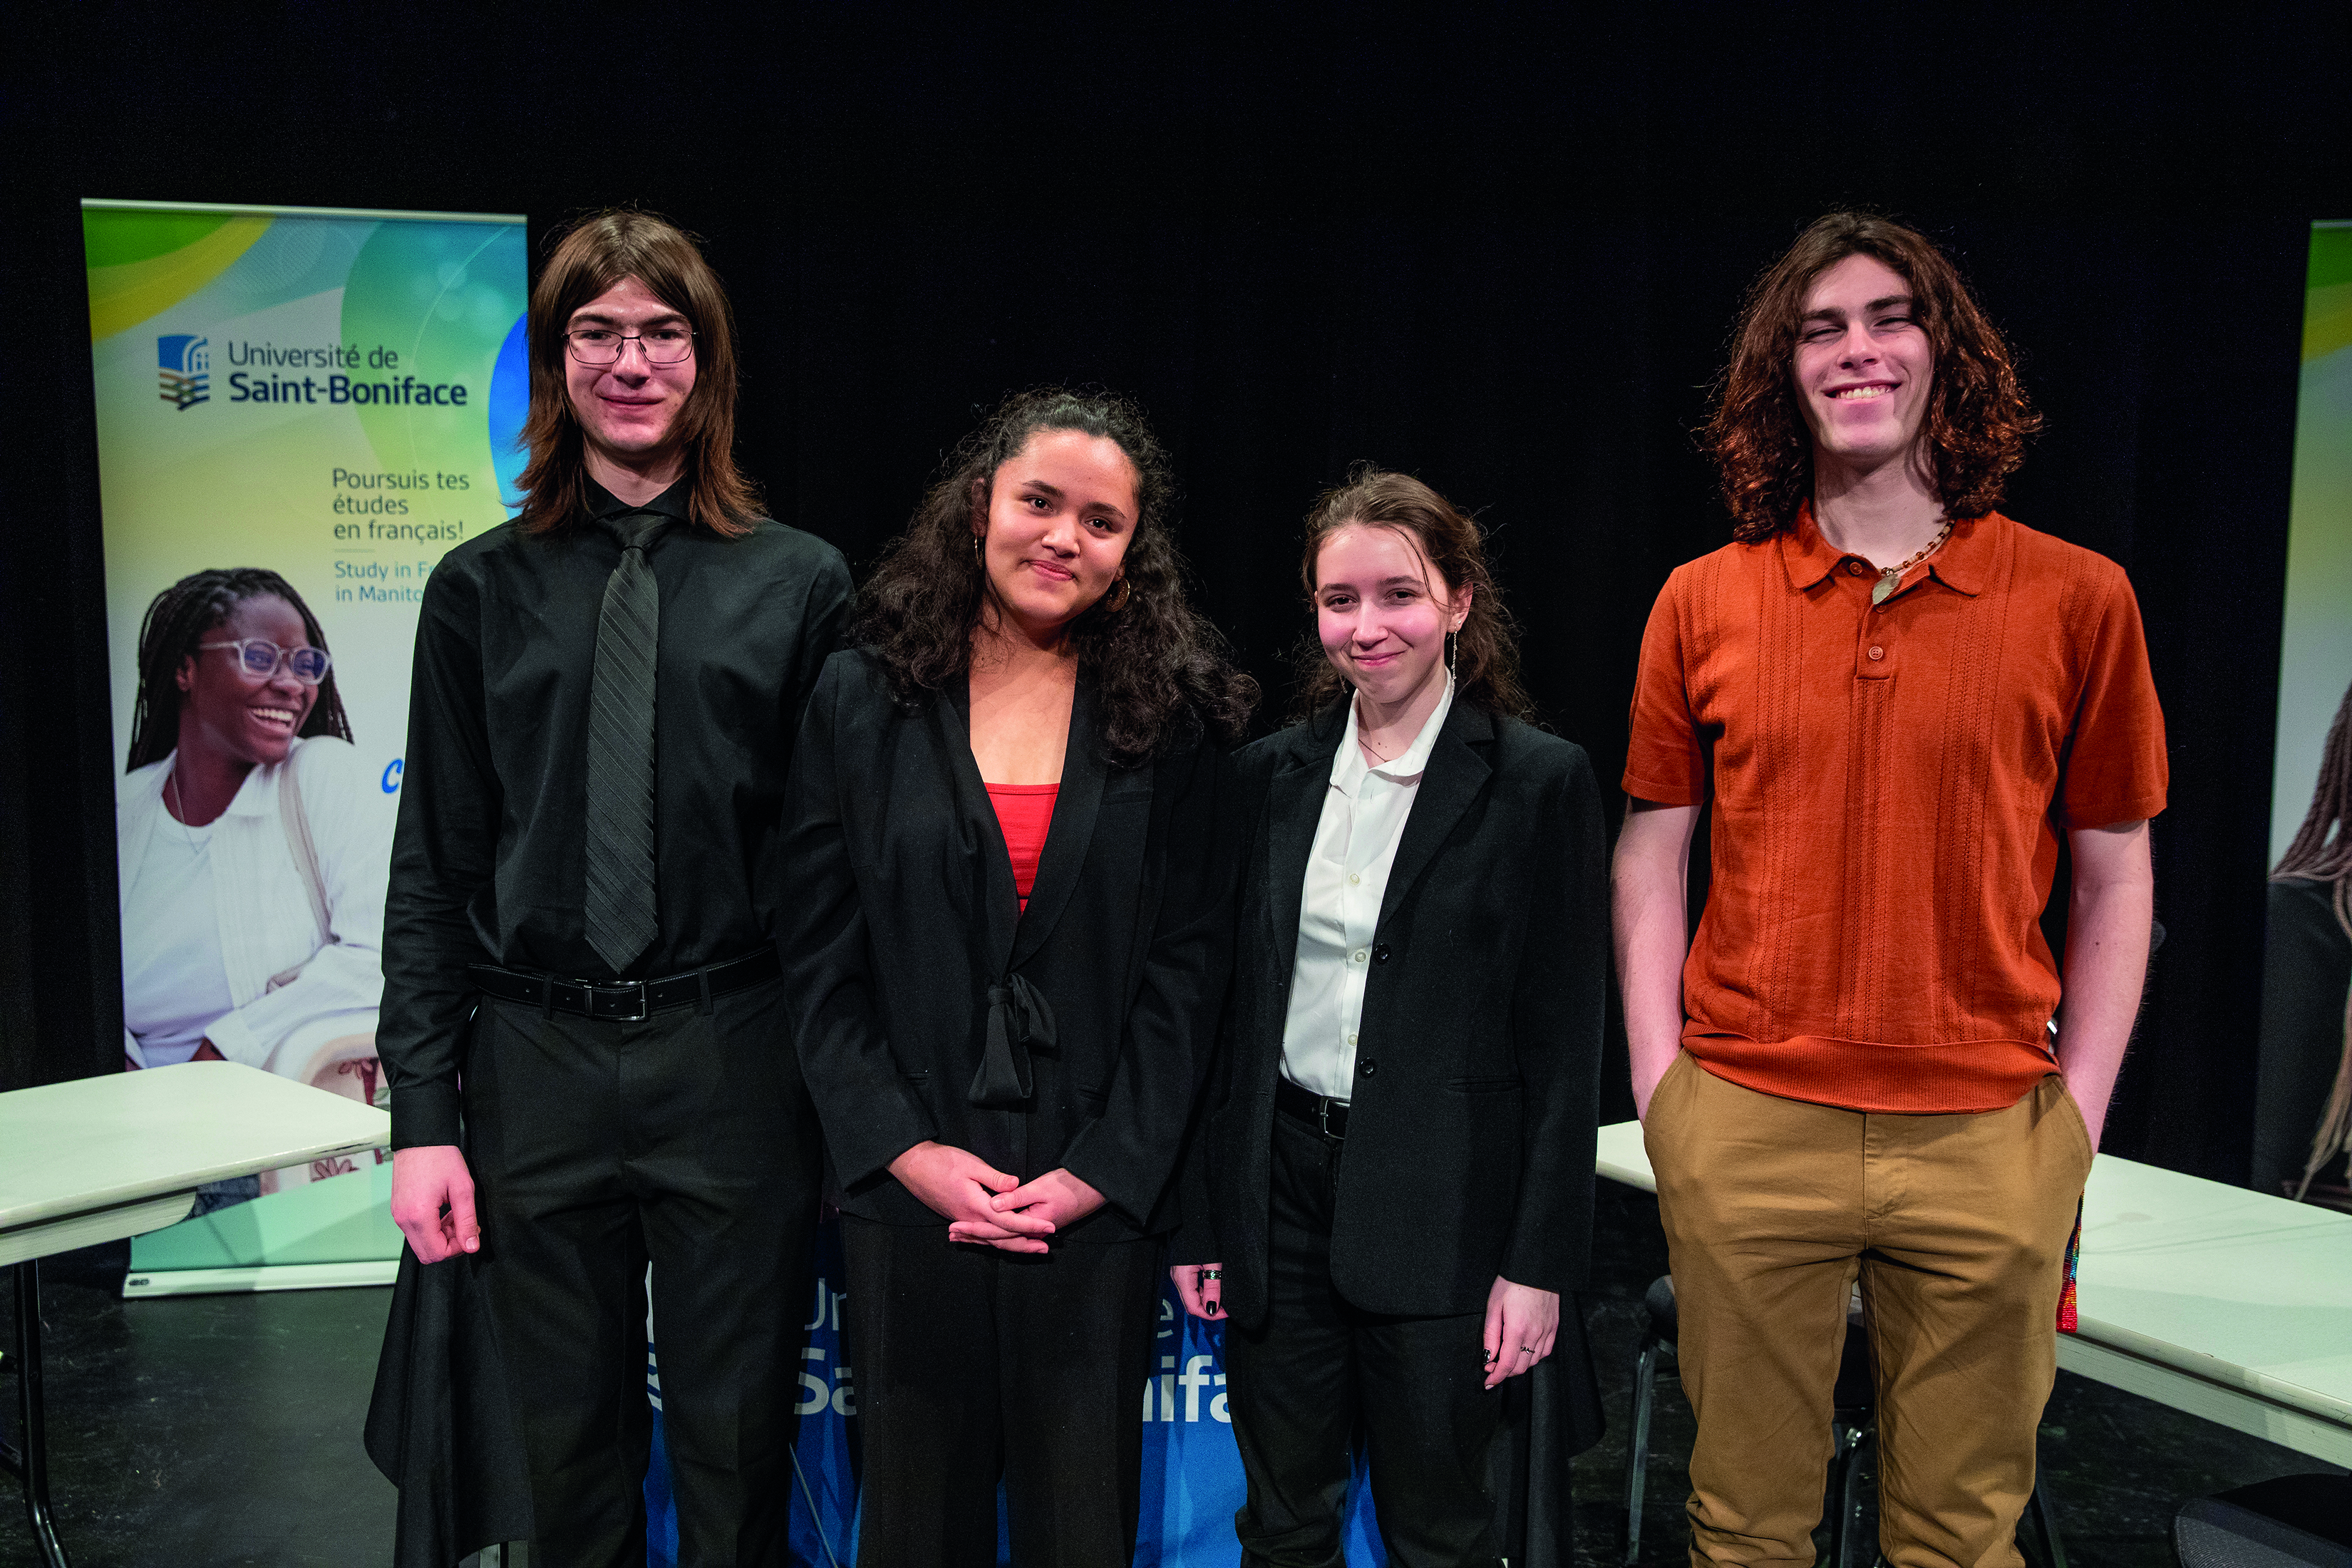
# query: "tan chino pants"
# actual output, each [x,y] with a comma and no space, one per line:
[1958,1228]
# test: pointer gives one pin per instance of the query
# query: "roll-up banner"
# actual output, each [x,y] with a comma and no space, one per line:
[298,410]
[2316,641]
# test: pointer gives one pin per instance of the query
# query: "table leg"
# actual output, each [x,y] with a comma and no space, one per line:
[32,1465]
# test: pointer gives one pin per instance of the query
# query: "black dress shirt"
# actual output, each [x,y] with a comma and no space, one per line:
[904,940]
[489,861]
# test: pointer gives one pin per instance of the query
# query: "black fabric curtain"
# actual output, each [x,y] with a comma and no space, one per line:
[1501,250]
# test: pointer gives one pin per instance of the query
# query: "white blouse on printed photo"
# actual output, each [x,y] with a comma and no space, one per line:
[215,917]
[1364,814]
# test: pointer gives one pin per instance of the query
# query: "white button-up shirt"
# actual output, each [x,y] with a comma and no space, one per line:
[1356,840]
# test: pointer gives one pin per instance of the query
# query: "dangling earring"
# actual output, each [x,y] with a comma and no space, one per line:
[1126,590]
[1453,643]
[978,539]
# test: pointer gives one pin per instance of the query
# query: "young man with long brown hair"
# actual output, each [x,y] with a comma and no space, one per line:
[1899,700]
[605,698]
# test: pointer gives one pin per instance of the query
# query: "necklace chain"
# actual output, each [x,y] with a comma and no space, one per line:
[1889,577]
[179,814]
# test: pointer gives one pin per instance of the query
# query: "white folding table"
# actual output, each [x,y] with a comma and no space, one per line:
[97,1159]
[2224,1302]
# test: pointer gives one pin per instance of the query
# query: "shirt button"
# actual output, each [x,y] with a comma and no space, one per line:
[1353,878]
[1854,567]
[1877,652]
[1358,955]
[1351,1038]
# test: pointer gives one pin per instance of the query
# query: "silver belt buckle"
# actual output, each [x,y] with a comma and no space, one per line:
[641,1015]
[1323,1115]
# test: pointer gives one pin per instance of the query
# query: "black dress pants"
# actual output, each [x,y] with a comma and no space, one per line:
[686,1138]
[973,1363]
[1318,1374]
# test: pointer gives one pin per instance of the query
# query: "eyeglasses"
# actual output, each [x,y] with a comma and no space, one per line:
[261,658]
[601,345]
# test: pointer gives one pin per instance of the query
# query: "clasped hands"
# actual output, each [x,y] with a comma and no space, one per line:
[985,1207]
[1522,1322]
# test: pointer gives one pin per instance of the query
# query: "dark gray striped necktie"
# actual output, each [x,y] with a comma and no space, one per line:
[620,889]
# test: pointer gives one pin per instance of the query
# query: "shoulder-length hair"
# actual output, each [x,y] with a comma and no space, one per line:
[1157,662]
[1485,650]
[1977,421]
[591,257]
[179,618]
[2322,851]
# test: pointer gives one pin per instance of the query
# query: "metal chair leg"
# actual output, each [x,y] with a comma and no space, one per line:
[1845,1492]
[32,1463]
[1637,1453]
[2045,1516]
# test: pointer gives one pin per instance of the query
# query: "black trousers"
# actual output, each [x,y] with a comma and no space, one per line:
[686,1140]
[973,1363]
[1318,1375]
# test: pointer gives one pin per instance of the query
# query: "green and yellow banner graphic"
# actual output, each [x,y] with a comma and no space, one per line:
[2315,647]
[333,396]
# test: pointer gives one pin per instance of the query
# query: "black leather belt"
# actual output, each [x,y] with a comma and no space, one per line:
[1320,1111]
[626,1001]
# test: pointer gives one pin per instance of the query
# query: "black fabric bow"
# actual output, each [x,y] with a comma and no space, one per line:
[1019,1017]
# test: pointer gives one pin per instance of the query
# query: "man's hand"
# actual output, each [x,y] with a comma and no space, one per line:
[959,1184]
[1521,1324]
[1201,1285]
[432,1201]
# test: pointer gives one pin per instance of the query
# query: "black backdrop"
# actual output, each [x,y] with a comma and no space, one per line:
[1498,248]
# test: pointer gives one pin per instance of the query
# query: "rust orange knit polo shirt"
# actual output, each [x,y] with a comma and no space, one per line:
[1890,783]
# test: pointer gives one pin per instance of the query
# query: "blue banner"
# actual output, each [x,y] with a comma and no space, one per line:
[1191,1472]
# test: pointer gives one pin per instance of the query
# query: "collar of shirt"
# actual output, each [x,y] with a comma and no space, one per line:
[1959,566]
[1349,765]
[676,503]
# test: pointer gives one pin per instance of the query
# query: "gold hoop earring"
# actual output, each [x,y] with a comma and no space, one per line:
[1126,590]
[979,542]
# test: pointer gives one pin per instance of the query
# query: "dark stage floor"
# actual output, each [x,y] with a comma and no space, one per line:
[204,1432]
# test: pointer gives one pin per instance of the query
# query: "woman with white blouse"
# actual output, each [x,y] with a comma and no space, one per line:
[252,862]
[1391,1194]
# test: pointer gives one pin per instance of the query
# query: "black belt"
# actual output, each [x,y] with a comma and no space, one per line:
[626,1001]
[1320,1111]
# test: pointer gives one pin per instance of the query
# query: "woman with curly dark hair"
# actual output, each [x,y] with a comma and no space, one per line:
[1007,928]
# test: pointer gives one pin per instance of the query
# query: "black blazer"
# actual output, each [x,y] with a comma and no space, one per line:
[1470,1133]
[928,1005]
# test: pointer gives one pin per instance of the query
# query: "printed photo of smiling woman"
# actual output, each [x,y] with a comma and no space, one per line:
[252,870]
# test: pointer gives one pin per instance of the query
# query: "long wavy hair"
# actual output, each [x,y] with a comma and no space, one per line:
[1485,650]
[1979,419]
[594,255]
[1157,663]
[2322,852]
[180,618]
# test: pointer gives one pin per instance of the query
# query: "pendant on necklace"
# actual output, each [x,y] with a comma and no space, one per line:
[1883,588]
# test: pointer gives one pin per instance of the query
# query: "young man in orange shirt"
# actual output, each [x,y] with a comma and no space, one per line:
[1900,700]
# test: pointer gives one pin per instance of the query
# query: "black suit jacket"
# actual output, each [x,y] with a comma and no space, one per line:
[1470,1133]
[904,943]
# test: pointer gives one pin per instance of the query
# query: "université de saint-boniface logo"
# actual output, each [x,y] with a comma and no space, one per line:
[187,363]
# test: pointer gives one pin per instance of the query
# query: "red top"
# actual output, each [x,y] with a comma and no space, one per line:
[1890,787]
[1024,813]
